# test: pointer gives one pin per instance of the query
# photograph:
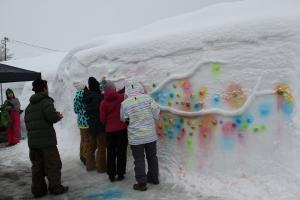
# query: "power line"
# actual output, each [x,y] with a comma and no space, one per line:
[33,45]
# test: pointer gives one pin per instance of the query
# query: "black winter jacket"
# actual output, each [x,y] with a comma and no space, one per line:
[92,99]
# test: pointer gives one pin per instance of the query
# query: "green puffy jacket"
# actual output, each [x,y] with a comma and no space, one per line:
[40,115]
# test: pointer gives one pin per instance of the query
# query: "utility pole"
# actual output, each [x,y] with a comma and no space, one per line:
[5,41]
[5,57]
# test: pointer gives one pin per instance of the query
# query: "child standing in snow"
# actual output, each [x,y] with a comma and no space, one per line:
[12,105]
[140,110]
[116,132]
[82,119]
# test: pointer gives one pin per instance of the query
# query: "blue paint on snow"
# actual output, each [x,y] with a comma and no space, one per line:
[105,195]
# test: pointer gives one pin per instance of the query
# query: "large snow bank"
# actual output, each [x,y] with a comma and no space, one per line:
[226,77]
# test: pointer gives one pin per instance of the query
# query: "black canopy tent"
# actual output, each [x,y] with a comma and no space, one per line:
[13,74]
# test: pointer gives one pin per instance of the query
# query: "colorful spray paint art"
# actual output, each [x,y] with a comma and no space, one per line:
[200,120]
[285,99]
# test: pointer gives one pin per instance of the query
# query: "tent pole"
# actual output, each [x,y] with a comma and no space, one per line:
[1,95]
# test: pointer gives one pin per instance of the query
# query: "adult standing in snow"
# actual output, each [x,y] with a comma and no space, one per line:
[96,139]
[82,119]
[12,106]
[40,115]
[116,132]
[140,110]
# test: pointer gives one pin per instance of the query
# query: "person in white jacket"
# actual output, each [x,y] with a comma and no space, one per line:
[141,111]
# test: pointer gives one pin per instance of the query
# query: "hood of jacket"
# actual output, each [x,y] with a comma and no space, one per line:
[133,88]
[110,94]
[37,97]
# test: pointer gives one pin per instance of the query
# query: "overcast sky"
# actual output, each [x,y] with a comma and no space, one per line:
[61,24]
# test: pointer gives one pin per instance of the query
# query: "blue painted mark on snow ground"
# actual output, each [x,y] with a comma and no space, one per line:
[109,194]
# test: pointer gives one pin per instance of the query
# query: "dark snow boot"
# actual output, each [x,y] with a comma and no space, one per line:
[59,190]
[36,196]
[120,177]
[153,181]
[140,186]
[112,178]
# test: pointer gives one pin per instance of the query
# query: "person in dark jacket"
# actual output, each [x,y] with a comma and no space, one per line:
[40,115]
[96,140]
[116,132]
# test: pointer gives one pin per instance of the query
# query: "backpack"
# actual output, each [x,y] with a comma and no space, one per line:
[4,119]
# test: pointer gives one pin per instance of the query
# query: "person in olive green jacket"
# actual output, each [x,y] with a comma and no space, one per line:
[40,115]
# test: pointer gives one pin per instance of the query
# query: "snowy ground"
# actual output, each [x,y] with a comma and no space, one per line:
[15,180]
[266,44]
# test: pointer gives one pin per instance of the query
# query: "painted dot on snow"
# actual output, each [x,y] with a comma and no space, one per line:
[203,91]
[244,125]
[196,106]
[171,95]
[214,122]
[216,98]
[182,82]
[249,119]
[265,109]
[188,105]
[263,128]
[284,90]
[287,108]
[234,95]
[238,120]
[169,104]
[255,129]
[216,68]
[154,85]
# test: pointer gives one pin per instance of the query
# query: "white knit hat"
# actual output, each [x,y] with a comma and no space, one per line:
[79,85]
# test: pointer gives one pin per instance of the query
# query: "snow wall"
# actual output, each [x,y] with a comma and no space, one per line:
[225,78]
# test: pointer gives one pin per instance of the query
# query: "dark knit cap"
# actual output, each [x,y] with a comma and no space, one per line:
[39,85]
[94,84]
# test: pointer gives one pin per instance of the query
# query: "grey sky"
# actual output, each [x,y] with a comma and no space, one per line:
[61,24]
